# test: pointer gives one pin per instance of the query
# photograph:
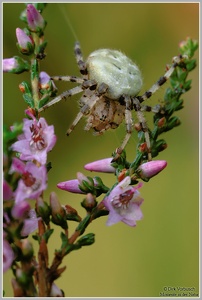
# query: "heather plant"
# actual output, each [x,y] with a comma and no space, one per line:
[26,167]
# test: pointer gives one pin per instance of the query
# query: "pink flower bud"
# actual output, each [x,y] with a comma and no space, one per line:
[34,19]
[151,168]
[44,80]
[9,64]
[55,204]
[15,65]
[102,165]
[25,43]
[71,186]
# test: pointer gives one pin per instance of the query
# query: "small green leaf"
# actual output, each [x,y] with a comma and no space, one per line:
[86,240]
[191,65]
[44,100]
[29,100]
[83,224]
[187,85]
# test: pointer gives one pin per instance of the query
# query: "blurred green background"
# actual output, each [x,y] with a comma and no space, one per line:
[163,250]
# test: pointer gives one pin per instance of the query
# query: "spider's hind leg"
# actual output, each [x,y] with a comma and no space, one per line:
[129,127]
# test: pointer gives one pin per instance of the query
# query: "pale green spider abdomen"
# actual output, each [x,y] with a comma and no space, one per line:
[115,69]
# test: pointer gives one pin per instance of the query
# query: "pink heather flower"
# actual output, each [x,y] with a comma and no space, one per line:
[73,185]
[46,85]
[20,210]
[45,81]
[34,19]
[8,255]
[38,139]
[7,191]
[30,224]
[29,113]
[9,64]
[15,65]
[124,203]
[25,43]
[151,168]
[103,165]
[32,183]
[17,166]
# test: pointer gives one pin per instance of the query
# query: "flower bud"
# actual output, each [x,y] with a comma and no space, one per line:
[71,186]
[46,85]
[35,20]
[161,122]
[86,240]
[27,249]
[188,47]
[22,277]
[25,43]
[71,213]
[55,291]
[89,202]
[151,168]
[58,212]
[15,65]
[44,80]
[43,210]
[25,87]
[103,165]
[86,184]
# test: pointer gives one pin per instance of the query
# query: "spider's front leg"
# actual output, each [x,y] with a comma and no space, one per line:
[63,96]
[80,61]
[90,102]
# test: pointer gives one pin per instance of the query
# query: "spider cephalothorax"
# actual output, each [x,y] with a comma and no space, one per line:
[110,83]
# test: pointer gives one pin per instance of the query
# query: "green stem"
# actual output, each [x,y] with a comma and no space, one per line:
[35,73]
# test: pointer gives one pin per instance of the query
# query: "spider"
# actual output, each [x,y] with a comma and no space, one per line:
[110,83]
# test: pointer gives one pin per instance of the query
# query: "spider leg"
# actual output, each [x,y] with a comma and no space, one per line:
[68,78]
[86,85]
[129,125]
[155,109]
[176,61]
[80,62]
[64,95]
[129,122]
[85,109]
[143,125]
